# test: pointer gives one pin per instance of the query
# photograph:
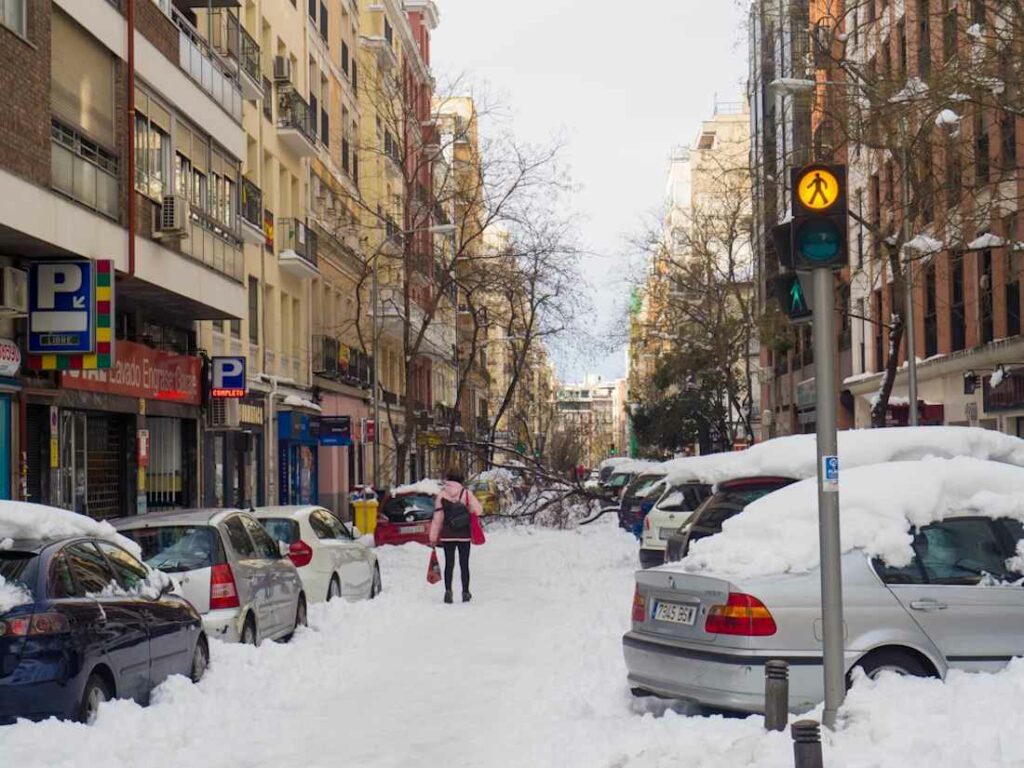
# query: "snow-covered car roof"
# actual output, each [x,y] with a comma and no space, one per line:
[614,461]
[22,521]
[795,456]
[699,469]
[636,466]
[423,487]
[878,504]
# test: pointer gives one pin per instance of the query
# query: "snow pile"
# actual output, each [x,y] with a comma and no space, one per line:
[293,401]
[947,117]
[149,588]
[12,594]
[878,505]
[796,455]
[974,31]
[997,377]
[916,88]
[700,468]
[426,487]
[502,477]
[636,466]
[36,522]
[924,244]
[987,240]
[613,461]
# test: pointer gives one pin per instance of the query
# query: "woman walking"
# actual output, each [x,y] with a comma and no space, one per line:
[454,509]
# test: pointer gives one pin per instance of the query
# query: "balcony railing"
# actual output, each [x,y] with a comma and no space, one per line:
[298,246]
[295,122]
[339,362]
[232,40]
[251,210]
[205,66]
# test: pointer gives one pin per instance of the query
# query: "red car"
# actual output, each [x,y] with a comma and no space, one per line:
[404,518]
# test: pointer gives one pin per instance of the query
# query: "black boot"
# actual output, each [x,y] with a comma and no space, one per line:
[448,596]
[466,597]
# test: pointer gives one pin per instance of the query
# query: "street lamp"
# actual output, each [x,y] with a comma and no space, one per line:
[439,229]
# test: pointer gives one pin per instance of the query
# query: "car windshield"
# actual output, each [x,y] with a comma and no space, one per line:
[281,529]
[17,568]
[400,509]
[177,548]
[620,480]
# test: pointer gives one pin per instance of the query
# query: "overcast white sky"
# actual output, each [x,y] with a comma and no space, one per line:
[623,83]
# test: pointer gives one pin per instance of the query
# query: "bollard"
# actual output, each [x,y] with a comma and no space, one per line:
[806,744]
[776,695]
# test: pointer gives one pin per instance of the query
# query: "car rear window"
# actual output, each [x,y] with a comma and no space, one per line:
[178,548]
[620,480]
[19,568]
[398,508]
[281,529]
[728,502]
[642,485]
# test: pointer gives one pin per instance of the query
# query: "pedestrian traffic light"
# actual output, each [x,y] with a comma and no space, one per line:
[793,299]
[819,228]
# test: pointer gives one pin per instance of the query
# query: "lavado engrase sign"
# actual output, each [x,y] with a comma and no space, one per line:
[140,371]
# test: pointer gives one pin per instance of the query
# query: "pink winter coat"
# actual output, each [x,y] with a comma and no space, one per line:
[452,491]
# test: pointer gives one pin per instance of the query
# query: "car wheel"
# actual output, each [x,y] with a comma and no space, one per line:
[376,587]
[200,660]
[96,692]
[249,636]
[334,590]
[301,620]
[898,662]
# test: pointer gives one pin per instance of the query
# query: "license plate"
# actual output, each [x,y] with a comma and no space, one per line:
[414,529]
[666,533]
[675,613]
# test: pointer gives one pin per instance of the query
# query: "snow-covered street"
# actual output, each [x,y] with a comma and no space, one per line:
[529,674]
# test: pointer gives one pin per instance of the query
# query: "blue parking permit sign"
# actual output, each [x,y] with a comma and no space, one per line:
[61,307]
[227,377]
[830,474]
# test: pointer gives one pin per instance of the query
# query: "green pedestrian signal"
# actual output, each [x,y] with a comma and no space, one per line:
[792,297]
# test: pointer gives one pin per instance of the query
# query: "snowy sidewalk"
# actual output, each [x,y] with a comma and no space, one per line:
[529,674]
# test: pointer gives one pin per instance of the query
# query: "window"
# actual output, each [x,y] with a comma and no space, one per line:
[389,33]
[130,572]
[978,12]
[81,79]
[949,30]
[954,176]
[61,582]
[83,170]
[312,9]
[254,311]
[324,25]
[987,327]
[238,538]
[924,45]
[981,148]
[355,76]
[281,529]
[901,36]
[12,16]
[266,547]
[91,570]
[931,323]
[268,99]
[1008,141]
[1013,306]
[958,317]
[876,301]
[344,57]
[961,551]
[152,152]
[324,525]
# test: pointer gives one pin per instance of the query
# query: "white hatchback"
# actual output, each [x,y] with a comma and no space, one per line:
[330,558]
[670,512]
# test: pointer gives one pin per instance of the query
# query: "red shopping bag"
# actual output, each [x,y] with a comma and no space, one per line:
[476,531]
[433,568]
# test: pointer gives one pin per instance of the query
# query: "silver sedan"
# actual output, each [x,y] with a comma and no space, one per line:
[959,604]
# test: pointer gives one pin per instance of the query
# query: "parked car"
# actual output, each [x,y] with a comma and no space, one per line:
[616,484]
[227,565]
[95,627]
[405,514]
[638,497]
[671,512]
[947,595]
[728,499]
[489,494]
[331,561]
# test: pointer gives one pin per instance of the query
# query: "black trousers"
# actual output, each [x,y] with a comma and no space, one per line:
[449,563]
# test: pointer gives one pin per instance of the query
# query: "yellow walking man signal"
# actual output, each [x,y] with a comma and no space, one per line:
[818,189]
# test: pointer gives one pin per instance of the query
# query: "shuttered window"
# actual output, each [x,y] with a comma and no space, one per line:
[82,80]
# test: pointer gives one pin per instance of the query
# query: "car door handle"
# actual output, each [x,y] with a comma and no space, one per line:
[928,605]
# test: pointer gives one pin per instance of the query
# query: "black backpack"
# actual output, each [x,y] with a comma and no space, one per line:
[456,517]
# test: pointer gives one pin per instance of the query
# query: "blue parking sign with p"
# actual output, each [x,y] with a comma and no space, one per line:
[61,307]
[830,473]
[228,377]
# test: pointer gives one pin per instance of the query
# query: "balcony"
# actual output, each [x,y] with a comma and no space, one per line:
[339,362]
[251,211]
[438,340]
[298,255]
[296,128]
[240,50]
[206,67]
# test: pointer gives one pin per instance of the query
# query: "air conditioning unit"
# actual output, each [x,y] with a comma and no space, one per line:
[224,413]
[13,291]
[282,69]
[171,217]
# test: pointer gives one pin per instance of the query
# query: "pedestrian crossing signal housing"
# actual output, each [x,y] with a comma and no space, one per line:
[792,298]
[819,236]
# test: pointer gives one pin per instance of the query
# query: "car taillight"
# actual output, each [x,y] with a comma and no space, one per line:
[741,615]
[639,605]
[647,523]
[300,553]
[222,587]
[35,626]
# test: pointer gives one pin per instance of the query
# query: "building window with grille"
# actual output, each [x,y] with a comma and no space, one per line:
[958,316]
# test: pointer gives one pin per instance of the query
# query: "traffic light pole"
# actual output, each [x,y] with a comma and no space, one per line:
[828,492]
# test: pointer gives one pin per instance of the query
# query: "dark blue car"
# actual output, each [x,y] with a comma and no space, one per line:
[94,632]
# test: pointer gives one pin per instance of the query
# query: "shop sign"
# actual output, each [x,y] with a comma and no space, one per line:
[369,431]
[301,427]
[429,439]
[142,372]
[251,413]
[228,377]
[335,430]
[10,358]
[60,307]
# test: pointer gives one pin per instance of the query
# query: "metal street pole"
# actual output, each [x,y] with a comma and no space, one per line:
[374,303]
[828,493]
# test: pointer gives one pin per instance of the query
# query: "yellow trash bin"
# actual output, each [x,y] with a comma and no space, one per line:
[364,513]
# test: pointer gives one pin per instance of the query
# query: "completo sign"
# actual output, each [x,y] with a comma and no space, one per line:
[228,377]
[140,371]
[10,358]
